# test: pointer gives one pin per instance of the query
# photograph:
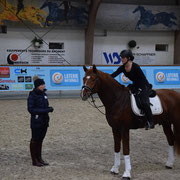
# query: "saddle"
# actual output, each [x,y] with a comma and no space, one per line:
[155,105]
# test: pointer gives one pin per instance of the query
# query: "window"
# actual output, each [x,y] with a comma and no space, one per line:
[161,47]
[56,45]
[3,29]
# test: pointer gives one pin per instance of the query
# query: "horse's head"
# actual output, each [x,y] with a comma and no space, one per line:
[90,82]
[139,8]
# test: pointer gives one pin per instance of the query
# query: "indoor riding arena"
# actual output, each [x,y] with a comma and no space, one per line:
[73,47]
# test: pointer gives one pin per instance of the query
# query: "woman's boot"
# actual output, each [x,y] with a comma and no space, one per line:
[34,151]
[150,120]
[39,155]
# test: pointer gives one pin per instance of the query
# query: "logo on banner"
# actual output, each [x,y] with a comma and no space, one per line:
[17,87]
[57,78]
[4,87]
[112,58]
[20,71]
[160,77]
[65,77]
[124,78]
[4,72]
[12,58]
[28,86]
[167,76]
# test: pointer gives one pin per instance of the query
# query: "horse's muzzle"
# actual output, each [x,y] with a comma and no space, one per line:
[85,93]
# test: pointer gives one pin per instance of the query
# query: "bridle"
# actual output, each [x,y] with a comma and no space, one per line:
[91,95]
[91,89]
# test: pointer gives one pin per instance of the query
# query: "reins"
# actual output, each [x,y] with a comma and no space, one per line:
[94,105]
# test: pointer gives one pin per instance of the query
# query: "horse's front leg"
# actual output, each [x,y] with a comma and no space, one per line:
[126,152]
[137,25]
[117,147]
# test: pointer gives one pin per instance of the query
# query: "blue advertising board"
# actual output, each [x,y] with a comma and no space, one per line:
[20,78]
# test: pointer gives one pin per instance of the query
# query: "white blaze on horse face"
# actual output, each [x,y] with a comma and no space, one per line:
[87,78]
[83,92]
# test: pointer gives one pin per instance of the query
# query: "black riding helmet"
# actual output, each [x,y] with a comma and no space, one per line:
[128,54]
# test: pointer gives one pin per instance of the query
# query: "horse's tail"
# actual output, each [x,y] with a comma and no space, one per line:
[172,15]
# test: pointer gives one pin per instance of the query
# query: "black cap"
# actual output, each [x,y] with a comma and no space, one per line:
[127,53]
[38,82]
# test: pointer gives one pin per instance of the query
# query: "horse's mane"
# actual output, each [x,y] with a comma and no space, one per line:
[108,78]
[119,93]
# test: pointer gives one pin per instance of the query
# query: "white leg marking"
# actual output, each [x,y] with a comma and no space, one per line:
[117,162]
[170,160]
[127,172]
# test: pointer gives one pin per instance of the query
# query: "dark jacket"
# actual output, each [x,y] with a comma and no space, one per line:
[38,107]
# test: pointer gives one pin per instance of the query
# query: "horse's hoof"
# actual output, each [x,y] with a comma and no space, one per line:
[114,173]
[115,170]
[126,178]
[168,167]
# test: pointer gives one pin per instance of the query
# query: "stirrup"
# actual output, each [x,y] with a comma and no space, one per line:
[149,125]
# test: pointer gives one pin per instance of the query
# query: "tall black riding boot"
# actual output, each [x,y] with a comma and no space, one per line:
[39,155]
[150,120]
[33,151]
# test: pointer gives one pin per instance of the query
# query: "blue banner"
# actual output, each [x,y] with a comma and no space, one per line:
[167,76]
[20,78]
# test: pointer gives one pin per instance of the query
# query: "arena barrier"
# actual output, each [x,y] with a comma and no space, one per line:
[20,78]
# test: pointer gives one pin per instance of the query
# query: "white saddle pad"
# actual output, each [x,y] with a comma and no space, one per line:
[156,106]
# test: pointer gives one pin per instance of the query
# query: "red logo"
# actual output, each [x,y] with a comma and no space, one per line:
[4,72]
[12,58]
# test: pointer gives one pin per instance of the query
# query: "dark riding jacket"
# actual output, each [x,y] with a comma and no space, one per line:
[38,107]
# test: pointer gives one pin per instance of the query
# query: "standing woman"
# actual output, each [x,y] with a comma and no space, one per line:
[140,83]
[38,107]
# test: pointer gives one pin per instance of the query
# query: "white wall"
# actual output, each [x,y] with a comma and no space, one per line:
[114,42]
[144,51]
[21,38]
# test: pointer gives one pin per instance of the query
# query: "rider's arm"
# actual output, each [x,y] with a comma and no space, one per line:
[117,72]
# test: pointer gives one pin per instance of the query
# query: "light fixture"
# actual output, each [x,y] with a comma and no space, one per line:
[37,43]
[132,44]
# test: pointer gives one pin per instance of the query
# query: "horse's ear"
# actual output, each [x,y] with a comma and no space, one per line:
[85,68]
[94,69]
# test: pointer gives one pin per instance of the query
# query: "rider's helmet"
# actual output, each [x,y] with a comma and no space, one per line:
[128,54]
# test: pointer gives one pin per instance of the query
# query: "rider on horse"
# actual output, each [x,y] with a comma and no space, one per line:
[140,83]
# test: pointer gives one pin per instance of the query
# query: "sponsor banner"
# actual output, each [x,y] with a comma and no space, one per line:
[113,57]
[65,78]
[35,56]
[20,78]
[167,76]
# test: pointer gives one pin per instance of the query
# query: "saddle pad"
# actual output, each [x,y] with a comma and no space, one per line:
[156,106]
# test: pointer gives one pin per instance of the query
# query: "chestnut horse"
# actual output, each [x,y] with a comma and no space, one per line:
[116,100]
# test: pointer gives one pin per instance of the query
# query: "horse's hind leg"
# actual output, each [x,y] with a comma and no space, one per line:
[117,147]
[170,138]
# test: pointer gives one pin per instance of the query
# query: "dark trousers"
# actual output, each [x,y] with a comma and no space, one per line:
[38,134]
[145,103]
